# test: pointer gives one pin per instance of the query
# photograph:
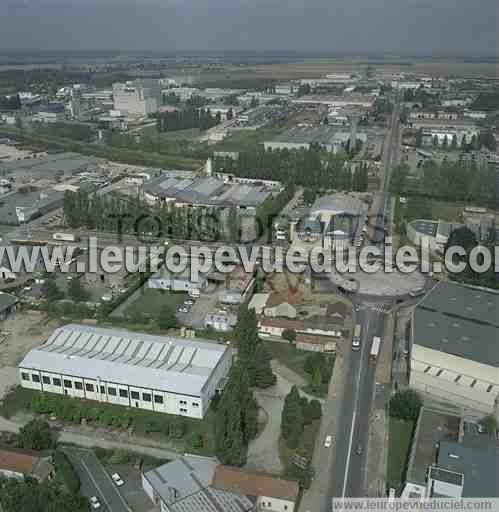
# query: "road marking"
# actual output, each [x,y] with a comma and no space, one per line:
[356,402]
[89,473]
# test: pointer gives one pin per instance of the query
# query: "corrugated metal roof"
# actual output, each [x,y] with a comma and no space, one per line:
[163,363]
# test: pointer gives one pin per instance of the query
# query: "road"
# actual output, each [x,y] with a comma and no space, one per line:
[95,481]
[348,474]
[348,467]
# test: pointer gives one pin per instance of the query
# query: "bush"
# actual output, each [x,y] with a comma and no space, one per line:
[177,428]
[64,469]
[35,435]
[289,335]
[405,405]
[196,440]
[314,409]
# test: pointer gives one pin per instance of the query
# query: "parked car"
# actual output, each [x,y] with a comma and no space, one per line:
[117,479]
[183,309]
[94,502]
[328,441]
[359,449]
[189,302]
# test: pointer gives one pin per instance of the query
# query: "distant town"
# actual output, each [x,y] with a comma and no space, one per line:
[246,389]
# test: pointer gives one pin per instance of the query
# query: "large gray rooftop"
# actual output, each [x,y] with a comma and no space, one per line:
[50,165]
[480,467]
[461,321]
[184,485]
[207,191]
[163,363]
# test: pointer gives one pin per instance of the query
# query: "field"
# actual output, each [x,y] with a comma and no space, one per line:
[398,450]
[431,209]
[152,133]
[151,302]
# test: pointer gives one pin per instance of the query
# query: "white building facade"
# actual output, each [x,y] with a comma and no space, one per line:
[161,374]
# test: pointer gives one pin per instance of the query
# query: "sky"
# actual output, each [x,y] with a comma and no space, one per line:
[462,27]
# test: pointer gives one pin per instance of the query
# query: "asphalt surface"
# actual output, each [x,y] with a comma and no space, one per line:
[348,469]
[95,481]
[348,473]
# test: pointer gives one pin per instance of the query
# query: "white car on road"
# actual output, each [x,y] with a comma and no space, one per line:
[117,479]
[94,502]
[328,442]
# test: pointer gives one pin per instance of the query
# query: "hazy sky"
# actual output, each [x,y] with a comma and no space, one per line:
[418,26]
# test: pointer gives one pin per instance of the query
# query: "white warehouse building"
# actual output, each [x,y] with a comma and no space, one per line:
[156,373]
[455,349]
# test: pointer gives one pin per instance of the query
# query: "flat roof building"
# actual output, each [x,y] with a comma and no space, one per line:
[157,373]
[138,97]
[454,353]
[206,191]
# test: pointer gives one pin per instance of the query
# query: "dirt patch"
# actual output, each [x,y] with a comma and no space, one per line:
[28,329]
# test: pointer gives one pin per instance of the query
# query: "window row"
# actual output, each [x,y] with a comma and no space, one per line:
[111,391]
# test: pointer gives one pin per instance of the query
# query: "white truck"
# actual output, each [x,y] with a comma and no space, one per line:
[65,237]
[356,337]
[373,355]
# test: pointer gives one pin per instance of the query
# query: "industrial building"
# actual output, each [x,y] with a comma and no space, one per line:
[138,97]
[206,191]
[454,349]
[346,100]
[156,373]
[195,484]
[302,137]
[336,221]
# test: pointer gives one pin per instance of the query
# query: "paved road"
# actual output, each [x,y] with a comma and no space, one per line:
[348,470]
[95,480]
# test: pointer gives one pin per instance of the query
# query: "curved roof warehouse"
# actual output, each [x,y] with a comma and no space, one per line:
[159,373]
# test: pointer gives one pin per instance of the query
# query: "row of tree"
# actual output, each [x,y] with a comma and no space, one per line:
[465,238]
[485,139]
[309,168]
[186,119]
[237,412]
[454,181]
[117,214]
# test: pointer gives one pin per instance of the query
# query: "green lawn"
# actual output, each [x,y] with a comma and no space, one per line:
[151,301]
[289,356]
[294,359]
[152,133]
[398,450]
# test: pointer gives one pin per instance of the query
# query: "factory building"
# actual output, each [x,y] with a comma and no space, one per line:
[137,98]
[156,373]
[207,191]
[454,350]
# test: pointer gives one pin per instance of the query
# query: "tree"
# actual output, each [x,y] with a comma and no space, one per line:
[50,290]
[292,419]
[314,409]
[405,405]
[454,142]
[264,377]
[317,380]
[35,435]
[461,237]
[289,335]
[445,143]
[489,423]
[435,140]
[464,143]
[167,318]
[66,471]
[76,291]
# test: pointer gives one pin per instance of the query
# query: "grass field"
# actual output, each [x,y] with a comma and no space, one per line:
[244,139]
[398,450]
[423,208]
[151,302]
[152,133]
